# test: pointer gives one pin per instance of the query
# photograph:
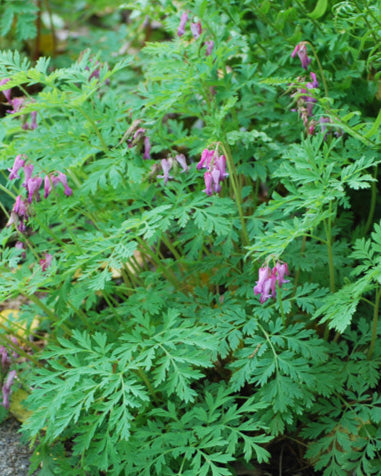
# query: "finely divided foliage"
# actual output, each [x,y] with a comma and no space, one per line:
[191,223]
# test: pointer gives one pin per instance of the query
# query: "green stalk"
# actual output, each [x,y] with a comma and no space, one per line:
[8,192]
[95,127]
[374,324]
[169,274]
[82,316]
[237,195]
[47,311]
[279,296]
[25,341]
[373,200]
[303,247]
[23,353]
[145,379]
[4,210]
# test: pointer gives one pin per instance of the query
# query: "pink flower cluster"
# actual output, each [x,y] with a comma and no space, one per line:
[267,279]
[46,261]
[137,137]
[216,170]
[196,29]
[167,164]
[17,105]
[301,50]
[20,214]
[305,103]
[5,361]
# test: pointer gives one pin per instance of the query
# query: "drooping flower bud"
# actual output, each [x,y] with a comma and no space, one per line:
[267,279]
[183,22]
[20,207]
[17,104]
[28,170]
[209,47]
[216,180]
[33,186]
[166,165]
[63,179]
[196,30]
[181,159]
[18,163]
[46,262]
[19,245]
[208,183]
[281,270]
[147,148]
[7,388]
[6,92]
[301,51]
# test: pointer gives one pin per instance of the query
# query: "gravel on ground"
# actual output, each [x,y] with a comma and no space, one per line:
[14,457]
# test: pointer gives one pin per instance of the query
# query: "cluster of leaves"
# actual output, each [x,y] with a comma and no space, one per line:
[157,346]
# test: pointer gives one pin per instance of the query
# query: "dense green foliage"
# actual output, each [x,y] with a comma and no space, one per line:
[159,358]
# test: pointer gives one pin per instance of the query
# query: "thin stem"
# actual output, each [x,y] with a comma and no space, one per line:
[4,210]
[374,324]
[169,274]
[47,311]
[81,315]
[279,296]
[23,353]
[373,200]
[145,379]
[303,247]
[171,247]
[328,231]
[233,181]
[320,68]
[95,127]
[271,346]
[9,330]
[8,192]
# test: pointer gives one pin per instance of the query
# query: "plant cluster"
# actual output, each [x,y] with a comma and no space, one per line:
[173,342]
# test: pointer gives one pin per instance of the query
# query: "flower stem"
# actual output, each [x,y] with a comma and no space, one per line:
[279,295]
[320,69]
[374,324]
[237,196]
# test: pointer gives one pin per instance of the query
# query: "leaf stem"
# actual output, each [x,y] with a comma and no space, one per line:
[145,379]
